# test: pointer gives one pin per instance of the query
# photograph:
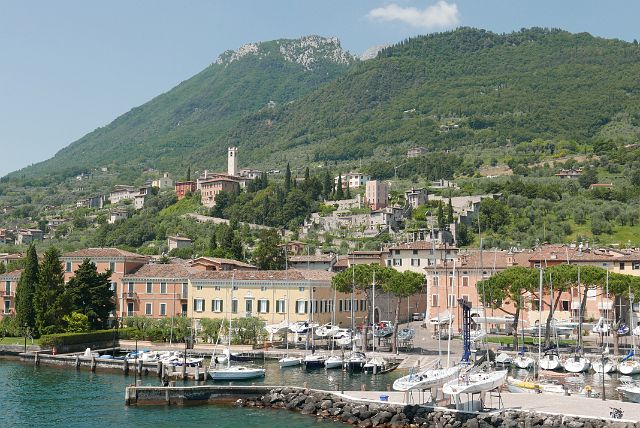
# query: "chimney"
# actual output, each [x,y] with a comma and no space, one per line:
[232,161]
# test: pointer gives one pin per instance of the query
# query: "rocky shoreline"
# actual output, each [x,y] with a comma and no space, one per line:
[328,405]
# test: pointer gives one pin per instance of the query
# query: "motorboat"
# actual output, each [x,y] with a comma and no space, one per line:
[623,330]
[406,334]
[374,365]
[601,327]
[236,373]
[244,356]
[355,362]
[302,327]
[275,328]
[550,361]
[604,365]
[525,386]
[333,362]
[326,330]
[472,383]
[504,359]
[629,365]
[383,329]
[523,362]
[477,335]
[576,364]
[179,361]
[290,361]
[425,379]
[636,331]
[314,361]
[630,391]
[505,320]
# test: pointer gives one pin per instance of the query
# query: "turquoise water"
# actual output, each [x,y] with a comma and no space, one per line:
[63,397]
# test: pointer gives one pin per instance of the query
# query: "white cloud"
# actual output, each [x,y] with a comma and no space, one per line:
[438,16]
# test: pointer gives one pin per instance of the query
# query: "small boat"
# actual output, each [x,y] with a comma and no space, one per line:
[630,391]
[636,331]
[576,364]
[375,365]
[383,329]
[425,379]
[550,361]
[302,327]
[473,383]
[443,318]
[477,335]
[333,362]
[290,361]
[524,386]
[629,365]
[275,328]
[355,362]
[504,359]
[244,356]
[406,334]
[601,327]
[236,373]
[522,361]
[314,361]
[623,330]
[604,366]
[327,330]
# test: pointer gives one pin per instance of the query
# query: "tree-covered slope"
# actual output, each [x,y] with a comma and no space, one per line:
[163,132]
[460,88]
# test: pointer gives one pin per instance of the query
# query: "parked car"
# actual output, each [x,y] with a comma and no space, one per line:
[417,316]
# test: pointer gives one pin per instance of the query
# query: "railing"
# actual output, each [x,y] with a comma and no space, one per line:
[8,294]
[183,295]
[131,295]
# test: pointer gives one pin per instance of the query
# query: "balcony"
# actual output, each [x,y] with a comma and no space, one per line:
[182,296]
[6,293]
[605,305]
[131,295]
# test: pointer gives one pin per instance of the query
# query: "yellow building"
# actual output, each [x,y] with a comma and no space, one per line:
[305,294]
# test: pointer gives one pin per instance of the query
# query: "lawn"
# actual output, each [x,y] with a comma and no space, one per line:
[508,340]
[17,341]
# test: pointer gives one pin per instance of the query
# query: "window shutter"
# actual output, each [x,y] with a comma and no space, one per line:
[221,305]
[267,306]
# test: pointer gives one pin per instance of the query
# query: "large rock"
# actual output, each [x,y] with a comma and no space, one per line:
[326,404]
[309,409]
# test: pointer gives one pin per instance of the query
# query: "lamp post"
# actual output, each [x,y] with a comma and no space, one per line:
[135,370]
[26,332]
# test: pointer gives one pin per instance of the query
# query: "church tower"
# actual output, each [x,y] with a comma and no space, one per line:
[232,161]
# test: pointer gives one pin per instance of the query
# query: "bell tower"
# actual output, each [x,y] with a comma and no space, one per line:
[232,161]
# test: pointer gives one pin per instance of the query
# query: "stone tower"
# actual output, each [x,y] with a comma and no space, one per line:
[232,161]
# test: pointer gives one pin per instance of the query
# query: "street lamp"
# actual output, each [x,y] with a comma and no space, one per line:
[26,332]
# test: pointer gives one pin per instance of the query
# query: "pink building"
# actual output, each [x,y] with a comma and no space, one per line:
[211,188]
[377,194]
[8,285]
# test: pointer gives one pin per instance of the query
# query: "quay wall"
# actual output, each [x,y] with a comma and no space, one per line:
[361,412]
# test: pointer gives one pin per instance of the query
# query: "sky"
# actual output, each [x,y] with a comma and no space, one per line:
[68,67]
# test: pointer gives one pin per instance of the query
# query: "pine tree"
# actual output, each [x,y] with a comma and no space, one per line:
[287,179]
[213,244]
[339,191]
[50,300]
[25,308]
[90,294]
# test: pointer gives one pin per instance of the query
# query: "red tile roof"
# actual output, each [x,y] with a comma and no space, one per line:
[265,275]
[162,271]
[102,253]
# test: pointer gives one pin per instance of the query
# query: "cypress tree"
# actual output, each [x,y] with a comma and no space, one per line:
[449,211]
[339,191]
[50,300]
[213,244]
[189,173]
[327,185]
[287,179]
[441,219]
[25,309]
[347,195]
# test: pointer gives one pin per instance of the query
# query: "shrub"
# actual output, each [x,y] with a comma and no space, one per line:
[67,339]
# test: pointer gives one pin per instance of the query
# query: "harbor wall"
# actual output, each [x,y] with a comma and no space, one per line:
[360,412]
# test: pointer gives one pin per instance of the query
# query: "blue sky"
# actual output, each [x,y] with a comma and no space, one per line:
[68,67]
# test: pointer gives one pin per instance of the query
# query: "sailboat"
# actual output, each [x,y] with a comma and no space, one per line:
[551,358]
[630,364]
[578,363]
[313,360]
[521,360]
[333,361]
[287,360]
[234,372]
[433,375]
[606,364]
[376,364]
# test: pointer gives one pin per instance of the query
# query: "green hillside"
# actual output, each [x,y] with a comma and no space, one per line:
[164,132]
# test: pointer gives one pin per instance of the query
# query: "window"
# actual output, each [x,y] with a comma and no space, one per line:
[112,266]
[130,288]
[149,288]
[185,287]
[263,288]
[565,305]
[234,306]
[199,287]
[163,309]
[198,305]
[621,265]
[340,305]
[435,281]
[184,309]
[281,306]
[248,306]
[415,251]
[451,281]
[396,252]
[301,307]
[263,306]
[465,281]
[465,298]
[301,289]
[635,265]
[216,288]
[397,262]
[68,267]
[147,308]
[7,306]
[435,300]
[216,305]
[113,286]
[163,288]
[415,262]
[7,288]
[130,311]
[451,301]
[388,262]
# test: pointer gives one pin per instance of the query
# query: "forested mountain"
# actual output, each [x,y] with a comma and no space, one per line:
[165,132]
[464,88]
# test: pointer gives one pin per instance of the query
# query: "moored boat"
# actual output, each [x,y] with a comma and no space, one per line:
[355,362]
[425,379]
[576,364]
[314,361]
[290,361]
[630,391]
[333,362]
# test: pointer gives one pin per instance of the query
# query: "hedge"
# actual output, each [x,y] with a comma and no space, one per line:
[66,339]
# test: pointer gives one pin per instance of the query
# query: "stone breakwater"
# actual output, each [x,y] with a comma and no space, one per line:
[359,412]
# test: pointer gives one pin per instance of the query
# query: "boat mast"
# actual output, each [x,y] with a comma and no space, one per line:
[353,286]
[373,314]
[233,278]
[539,324]
[450,322]
[631,328]
[579,341]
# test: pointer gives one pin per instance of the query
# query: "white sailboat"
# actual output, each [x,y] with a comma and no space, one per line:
[287,360]
[521,360]
[630,391]
[469,382]
[234,372]
[334,361]
[630,364]
[551,358]
[578,363]
[606,364]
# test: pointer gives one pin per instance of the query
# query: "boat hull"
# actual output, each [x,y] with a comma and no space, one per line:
[550,363]
[236,373]
[523,362]
[631,393]
[333,363]
[629,367]
[577,365]
[476,383]
[608,366]
[426,379]
[290,362]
